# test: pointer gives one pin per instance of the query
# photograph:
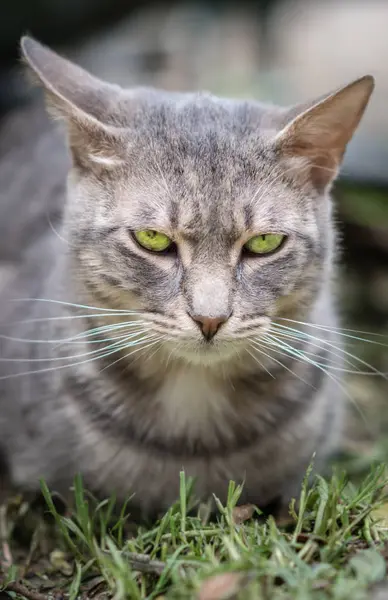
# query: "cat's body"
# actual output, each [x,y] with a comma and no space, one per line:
[204,172]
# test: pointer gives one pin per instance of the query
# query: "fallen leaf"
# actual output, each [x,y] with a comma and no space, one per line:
[220,587]
[243,513]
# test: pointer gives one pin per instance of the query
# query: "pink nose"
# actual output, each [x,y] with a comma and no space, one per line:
[209,325]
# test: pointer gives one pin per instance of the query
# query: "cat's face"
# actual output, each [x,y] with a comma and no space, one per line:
[208,217]
[206,193]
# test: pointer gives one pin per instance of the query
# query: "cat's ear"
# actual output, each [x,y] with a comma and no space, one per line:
[318,135]
[85,103]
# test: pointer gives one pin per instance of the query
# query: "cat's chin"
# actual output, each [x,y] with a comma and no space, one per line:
[206,355]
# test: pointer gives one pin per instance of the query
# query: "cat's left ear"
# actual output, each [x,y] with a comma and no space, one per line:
[318,135]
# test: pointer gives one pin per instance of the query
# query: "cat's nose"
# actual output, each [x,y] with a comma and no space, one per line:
[209,325]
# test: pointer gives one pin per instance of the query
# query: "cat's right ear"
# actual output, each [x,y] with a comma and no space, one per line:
[86,104]
[314,140]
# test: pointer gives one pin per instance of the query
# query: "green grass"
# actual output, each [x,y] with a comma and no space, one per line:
[331,546]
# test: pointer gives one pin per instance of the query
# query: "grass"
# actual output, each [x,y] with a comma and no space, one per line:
[331,546]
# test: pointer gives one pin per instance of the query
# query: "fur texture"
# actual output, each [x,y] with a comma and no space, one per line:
[210,173]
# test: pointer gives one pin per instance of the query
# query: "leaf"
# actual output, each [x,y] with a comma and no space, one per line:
[323,491]
[220,587]
[243,513]
[75,585]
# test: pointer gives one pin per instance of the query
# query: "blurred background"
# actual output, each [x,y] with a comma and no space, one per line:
[279,50]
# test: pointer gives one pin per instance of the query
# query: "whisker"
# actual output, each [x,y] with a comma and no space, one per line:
[155,351]
[291,350]
[59,236]
[109,326]
[86,306]
[75,364]
[345,352]
[318,343]
[158,339]
[131,353]
[339,331]
[119,338]
[304,359]
[62,318]
[322,345]
[259,349]
[120,344]
[77,339]
[260,363]
[179,345]
[80,337]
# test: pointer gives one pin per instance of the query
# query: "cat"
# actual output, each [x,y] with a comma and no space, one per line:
[163,317]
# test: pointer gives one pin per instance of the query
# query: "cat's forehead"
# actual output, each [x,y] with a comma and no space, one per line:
[217,192]
[200,164]
[157,110]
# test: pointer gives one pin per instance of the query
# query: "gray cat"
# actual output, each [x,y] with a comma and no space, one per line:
[167,320]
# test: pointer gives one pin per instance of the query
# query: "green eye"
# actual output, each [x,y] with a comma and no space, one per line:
[153,240]
[264,243]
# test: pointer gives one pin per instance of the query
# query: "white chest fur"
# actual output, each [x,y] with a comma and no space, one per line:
[193,400]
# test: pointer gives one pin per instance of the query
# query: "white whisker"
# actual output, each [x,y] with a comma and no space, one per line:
[59,236]
[75,364]
[149,345]
[291,351]
[317,343]
[302,356]
[122,343]
[345,352]
[259,349]
[85,306]
[78,339]
[340,330]
[260,363]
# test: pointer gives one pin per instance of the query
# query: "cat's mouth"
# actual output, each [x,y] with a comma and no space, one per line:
[206,352]
[223,347]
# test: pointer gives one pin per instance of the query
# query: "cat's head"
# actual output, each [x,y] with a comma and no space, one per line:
[208,216]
